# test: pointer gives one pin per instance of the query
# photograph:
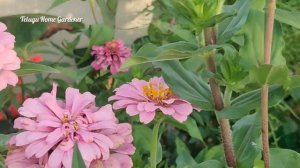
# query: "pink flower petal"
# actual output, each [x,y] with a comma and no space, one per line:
[147,117]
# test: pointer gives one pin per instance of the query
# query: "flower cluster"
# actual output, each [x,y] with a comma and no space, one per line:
[112,55]
[52,127]
[147,98]
[8,59]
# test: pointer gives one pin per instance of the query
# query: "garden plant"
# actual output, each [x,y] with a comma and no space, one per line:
[213,84]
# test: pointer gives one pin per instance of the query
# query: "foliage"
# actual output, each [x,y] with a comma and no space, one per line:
[174,48]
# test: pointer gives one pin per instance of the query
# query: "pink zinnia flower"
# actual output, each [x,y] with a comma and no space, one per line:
[8,59]
[16,157]
[113,54]
[52,127]
[147,98]
[121,151]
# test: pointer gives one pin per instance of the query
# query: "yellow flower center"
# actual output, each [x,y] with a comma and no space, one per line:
[76,126]
[157,94]
[65,119]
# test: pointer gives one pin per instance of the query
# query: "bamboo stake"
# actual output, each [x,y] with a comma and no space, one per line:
[265,90]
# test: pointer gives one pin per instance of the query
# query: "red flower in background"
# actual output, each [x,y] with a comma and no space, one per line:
[2,116]
[37,58]
[12,109]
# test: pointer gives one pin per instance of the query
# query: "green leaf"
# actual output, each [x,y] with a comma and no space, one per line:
[82,73]
[177,30]
[33,68]
[159,153]
[186,84]
[56,3]
[215,153]
[184,158]
[231,68]
[193,129]
[77,161]
[172,51]
[243,104]
[99,34]
[246,137]
[142,137]
[288,17]
[210,164]
[252,52]
[219,18]
[3,140]
[230,26]
[294,82]
[108,10]
[284,158]
[269,74]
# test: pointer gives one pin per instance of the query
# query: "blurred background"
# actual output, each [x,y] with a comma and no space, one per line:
[131,22]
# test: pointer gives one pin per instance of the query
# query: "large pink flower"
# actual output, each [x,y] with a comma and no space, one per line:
[147,98]
[16,157]
[52,127]
[121,151]
[113,54]
[8,59]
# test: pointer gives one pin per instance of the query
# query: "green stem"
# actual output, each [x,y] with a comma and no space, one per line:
[274,134]
[92,6]
[154,142]
[227,96]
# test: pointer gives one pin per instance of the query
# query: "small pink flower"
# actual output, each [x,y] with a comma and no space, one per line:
[147,98]
[52,127]
[8,59]
[112,55]
[120,153]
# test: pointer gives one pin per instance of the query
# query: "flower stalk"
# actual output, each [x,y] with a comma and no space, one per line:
[271,5]
[154,142]
[210,39]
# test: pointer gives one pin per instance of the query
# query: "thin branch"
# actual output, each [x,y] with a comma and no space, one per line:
[210,39]
[265,90]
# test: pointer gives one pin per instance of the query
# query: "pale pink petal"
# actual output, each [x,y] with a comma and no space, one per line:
[147,117]
[132,110]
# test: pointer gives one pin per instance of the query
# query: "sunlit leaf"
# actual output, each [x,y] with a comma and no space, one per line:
[33,68]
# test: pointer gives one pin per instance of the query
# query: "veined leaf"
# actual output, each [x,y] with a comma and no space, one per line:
[172,51]
[186,84]
[284,158]
[243,104]
[246,136]
[252,52]
[230,26]
[269,74]
[184,158]
[288,17]
[33,68]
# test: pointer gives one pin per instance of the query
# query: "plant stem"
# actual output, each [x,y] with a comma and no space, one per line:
[92,6]
[271,5]
[154,142]
[227,97]
[274,134]
[210,39]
